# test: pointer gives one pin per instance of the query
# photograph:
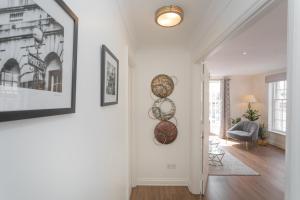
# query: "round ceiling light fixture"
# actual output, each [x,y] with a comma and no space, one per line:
[245,53]
[169,16]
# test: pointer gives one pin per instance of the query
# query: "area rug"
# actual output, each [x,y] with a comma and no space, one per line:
[232,167]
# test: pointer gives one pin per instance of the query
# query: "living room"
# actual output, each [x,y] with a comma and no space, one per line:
[248,105]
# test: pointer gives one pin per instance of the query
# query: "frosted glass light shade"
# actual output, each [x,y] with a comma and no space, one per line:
[169,16]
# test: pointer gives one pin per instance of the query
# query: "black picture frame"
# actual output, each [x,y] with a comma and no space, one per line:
[106,52]
[27,114]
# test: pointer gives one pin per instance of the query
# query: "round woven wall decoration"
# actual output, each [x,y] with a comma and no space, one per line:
[165,132]
[163,109]
[162,86]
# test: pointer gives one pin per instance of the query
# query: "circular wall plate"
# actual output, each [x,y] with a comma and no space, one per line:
[163,109]
[165,132]
[162,86]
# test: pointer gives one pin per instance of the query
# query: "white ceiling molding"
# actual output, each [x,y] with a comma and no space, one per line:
[212,14]
[259,46]
[123,7]
[233,17]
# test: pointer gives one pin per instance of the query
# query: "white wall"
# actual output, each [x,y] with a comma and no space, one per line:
[197,169]
[260,90]
[80,156]
[151,159]
[253,84]
[293,140]
[239,87]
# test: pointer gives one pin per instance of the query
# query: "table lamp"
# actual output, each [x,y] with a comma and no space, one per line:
[250,99]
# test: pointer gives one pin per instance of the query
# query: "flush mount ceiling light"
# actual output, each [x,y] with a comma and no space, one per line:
[169,16]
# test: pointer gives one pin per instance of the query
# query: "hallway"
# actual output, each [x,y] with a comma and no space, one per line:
[111,99]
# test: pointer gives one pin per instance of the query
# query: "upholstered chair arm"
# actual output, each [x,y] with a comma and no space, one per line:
[235,127]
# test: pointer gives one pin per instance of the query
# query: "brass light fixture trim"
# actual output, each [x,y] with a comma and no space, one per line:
[169,16]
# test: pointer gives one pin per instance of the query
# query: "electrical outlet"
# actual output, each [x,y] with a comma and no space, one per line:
[171,166]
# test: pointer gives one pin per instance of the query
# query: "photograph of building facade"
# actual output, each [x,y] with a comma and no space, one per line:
[111,79]
[31,47]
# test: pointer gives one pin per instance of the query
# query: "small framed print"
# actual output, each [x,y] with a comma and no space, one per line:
[38,56]
[109,77]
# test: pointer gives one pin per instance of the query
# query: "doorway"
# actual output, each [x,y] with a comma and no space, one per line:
[215,106]
[250,59]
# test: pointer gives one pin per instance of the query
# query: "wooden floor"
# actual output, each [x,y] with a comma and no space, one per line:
[268,161]
[162,193]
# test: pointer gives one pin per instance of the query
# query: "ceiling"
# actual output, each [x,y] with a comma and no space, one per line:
[265,44]
[145,32]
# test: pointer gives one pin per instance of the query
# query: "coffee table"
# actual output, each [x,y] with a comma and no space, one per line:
[214,143]
[216,156]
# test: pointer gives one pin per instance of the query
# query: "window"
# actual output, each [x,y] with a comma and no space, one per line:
[23,2]
[14,3]
[55,80]
[14,17]
[215,106]
[9,75]
[277,106]
[9,78]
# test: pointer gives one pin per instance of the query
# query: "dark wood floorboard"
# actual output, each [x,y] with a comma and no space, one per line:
[162,193]
[268,161]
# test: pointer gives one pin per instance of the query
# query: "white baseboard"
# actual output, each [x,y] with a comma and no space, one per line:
[277,140]
[162,182]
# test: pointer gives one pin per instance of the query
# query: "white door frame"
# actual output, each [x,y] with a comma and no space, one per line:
[198,177]
[293,136]
[292,191]
[131,130]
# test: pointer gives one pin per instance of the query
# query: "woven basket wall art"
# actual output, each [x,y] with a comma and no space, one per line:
[163,109]
[165,132]
[162,86]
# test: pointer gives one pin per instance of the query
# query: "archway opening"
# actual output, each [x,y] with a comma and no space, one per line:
[10,73]
[53,74]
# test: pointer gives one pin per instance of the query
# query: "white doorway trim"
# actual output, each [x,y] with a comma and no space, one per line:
[293,135]
[260,7]
[247,19]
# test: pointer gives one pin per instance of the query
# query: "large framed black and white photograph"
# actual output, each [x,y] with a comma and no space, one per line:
[38,53]
[109,77]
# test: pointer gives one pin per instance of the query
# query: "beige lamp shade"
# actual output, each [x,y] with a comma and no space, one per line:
[250,99]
